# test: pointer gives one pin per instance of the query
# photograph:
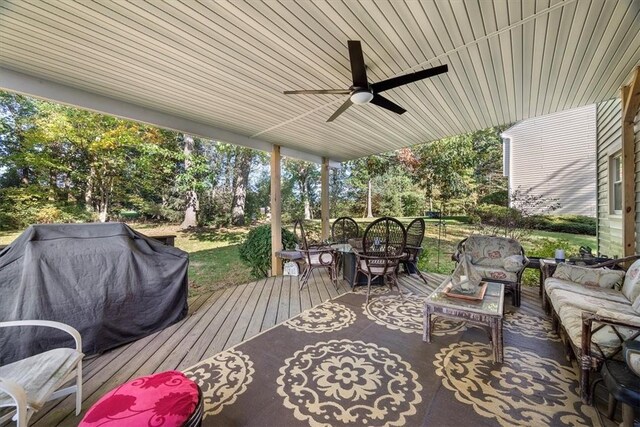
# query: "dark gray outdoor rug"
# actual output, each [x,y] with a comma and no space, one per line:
[350,363]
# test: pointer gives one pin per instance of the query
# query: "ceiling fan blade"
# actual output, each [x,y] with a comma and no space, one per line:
[318,92]
[340,110]
[383,102]
[358,69]
[408,78]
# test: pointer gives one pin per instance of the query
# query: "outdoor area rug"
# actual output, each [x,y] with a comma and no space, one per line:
[346,362]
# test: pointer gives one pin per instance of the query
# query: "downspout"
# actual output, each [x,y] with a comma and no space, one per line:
[506,163]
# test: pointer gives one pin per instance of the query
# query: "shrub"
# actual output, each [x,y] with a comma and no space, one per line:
[255,251]
[48,214]
[574,224]
[500,198]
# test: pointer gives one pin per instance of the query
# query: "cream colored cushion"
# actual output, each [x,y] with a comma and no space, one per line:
[601,277]
[631,286]
[614,295]
[608,342]
[513,263]
[496,273]
[376,267]
[636,304]
[560,299]
[490,251]
[321,257]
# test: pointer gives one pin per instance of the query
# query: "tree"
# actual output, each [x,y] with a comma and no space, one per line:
[365,170]
[17,118]
[191,195]
[243,160]
[305,177]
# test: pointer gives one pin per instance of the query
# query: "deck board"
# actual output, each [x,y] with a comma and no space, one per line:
[216,322]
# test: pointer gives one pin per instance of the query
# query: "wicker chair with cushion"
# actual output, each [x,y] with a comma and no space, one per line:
[343,229]
[315,256]
[498,259]
[413,249]
[383,246]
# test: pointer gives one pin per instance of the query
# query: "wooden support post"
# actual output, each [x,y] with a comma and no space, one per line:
[276,212]
[630,96]
[324,197]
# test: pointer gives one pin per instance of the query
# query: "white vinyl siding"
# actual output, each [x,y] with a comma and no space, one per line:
[609,143]
[554,156]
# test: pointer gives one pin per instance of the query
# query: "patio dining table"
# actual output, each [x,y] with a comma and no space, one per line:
[348,261]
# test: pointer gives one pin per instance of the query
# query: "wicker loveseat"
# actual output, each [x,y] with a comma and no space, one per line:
[596,308]
[498,259]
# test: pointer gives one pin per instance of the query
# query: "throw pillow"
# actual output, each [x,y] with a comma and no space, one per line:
[513,263]
[601,277]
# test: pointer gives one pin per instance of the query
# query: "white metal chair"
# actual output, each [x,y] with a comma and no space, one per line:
[28,383]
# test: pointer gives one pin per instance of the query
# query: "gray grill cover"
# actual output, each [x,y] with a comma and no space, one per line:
[112,284]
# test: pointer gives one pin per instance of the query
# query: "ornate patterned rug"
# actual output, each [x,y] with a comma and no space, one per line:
[346,362]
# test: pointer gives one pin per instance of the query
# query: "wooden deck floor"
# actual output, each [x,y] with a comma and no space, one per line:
[216,322]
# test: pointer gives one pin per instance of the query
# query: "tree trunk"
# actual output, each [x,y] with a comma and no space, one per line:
[305,198]
[242,169]
[24,176]
[190,212]
[88,194]
[369,209]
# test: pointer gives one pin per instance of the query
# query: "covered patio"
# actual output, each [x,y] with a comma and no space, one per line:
[226,318]
[218,70]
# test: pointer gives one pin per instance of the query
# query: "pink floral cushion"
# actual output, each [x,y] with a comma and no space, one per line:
[164,399]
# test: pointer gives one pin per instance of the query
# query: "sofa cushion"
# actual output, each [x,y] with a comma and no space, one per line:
[605,342]
[513,263]
[490,251]
[560,299]
[553,283]
[496,273]
[631,286]
[601,277]
[636,304]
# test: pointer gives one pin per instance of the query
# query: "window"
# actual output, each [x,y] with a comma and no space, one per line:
[615,173]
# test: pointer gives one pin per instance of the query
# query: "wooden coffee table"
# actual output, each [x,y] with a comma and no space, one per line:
[488,312]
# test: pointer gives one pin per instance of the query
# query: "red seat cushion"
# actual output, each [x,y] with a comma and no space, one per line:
[163,399]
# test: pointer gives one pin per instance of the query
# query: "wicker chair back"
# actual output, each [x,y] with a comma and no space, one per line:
[415,232]
[343,229]
[384,238]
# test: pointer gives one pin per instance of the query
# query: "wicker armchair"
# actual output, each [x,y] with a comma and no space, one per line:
[343,229]
[497,259]
[413,249]
[383,247]
[315,256]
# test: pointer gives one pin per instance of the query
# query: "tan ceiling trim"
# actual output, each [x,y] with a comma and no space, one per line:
[17,82]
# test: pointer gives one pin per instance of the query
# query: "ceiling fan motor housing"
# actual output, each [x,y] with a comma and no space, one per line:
[361,96]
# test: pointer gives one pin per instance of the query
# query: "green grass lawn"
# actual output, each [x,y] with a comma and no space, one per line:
[215,263]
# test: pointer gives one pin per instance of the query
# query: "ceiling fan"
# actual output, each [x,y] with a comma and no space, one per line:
[363,92]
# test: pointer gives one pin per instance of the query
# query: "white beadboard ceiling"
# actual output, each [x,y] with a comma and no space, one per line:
[224,64]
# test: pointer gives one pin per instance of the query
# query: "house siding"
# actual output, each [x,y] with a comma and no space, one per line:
[554,157]
[637,179]
[609,142]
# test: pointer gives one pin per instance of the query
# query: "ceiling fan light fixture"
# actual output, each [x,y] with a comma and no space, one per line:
[362,97]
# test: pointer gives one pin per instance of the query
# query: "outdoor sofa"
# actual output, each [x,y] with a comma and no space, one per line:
[595,308]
